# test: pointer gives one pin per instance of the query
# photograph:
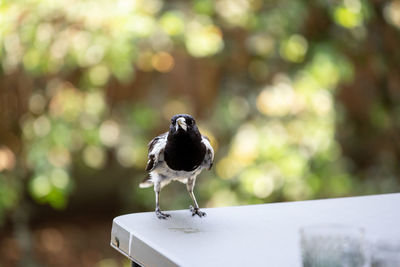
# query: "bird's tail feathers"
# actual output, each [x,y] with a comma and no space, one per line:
[147,182]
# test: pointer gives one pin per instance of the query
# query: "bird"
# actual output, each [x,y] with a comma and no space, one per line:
[178,155]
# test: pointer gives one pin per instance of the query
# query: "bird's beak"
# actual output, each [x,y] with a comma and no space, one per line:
[181,122]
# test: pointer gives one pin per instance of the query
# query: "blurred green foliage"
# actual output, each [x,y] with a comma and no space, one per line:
[276,114]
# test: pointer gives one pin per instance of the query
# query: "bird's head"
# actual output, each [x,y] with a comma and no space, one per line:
[183,123]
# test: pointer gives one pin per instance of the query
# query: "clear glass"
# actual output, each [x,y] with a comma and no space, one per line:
[385,253]
[333,246]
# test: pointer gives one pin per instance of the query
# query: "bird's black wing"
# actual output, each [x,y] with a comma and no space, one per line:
[156,150]
[209,157]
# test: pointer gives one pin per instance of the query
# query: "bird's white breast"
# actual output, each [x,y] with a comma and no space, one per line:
[162,173]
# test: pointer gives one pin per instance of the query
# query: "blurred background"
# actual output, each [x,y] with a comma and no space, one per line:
[299,98]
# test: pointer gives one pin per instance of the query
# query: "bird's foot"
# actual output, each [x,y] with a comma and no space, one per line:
[161,215]
[197,211]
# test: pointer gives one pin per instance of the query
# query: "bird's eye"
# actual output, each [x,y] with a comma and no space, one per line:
[190,122]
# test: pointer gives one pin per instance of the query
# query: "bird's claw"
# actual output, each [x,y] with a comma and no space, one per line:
[197,211]
[161,215]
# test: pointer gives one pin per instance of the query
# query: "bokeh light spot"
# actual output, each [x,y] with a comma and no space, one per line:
[144,61]
[228,167]
[294,49]
[59,178]
[42,126]
[59,157]
[67,103]
[223,198]
[126,156]
[7,159]
[172,23]
[391,13]
[322,102]
[278,100]
[99,75]
[109,133]
[37,103]
[263,186]
[260,44]
[94,103]
[245,144]
[94,157]
[163,62]
[150,6]
[94,54]
[203,39]
[40,186]
[348,17]
[235,12]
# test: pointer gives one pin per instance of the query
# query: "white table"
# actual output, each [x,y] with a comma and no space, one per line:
[257,235]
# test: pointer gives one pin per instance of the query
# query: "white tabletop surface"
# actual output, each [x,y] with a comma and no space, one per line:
[257,235]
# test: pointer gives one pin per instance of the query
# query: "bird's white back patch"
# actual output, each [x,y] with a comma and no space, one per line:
[159,145]
[156,151]
[209,157]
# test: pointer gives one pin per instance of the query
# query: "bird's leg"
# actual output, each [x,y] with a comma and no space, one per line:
[160,215]
[195,210]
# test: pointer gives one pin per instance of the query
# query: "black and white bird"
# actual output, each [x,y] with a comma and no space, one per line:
[178,155]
